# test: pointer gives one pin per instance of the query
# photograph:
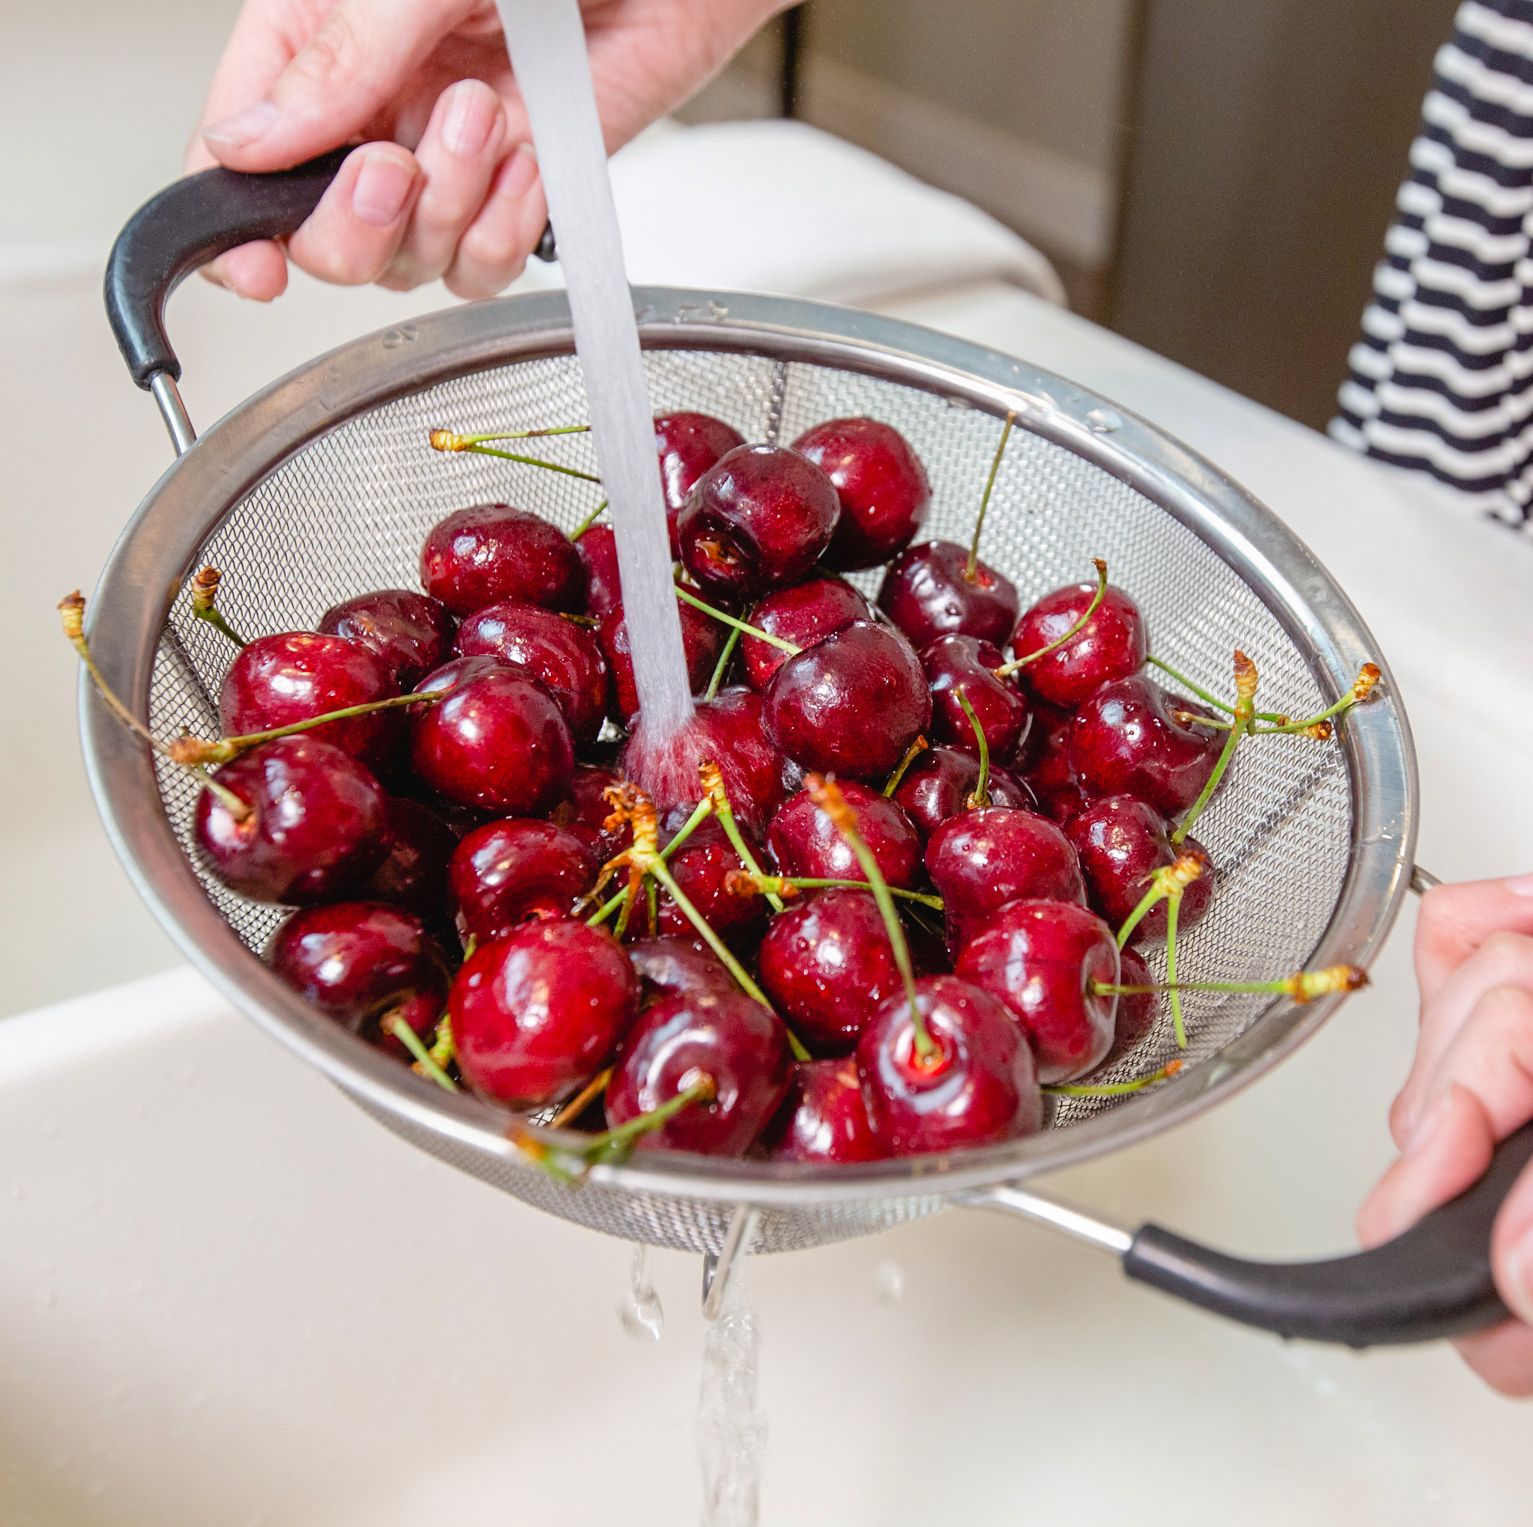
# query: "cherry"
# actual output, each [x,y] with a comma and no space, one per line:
[941,780]
[707,869]
[506,873]
[1122,842]
[498,740]
[584,812]
[411,632]
[296,675]
[735,1043]
[1047,721]
[978,1085]
[851,704]
[1137,1011]
[963,665]
[362,961]
[687,445]
[413,873]
[1053,780]
[315,825]
[1111,645]
[701,641]
[1043,960]
[671,966]
[824,1119]
[980,860]
[563,656]
[803,614]
[1124,740]
[804,841]
[757,519]
[881,483]
[491,551]
[826,963]
[597,550]
[927,593]
[537,1012]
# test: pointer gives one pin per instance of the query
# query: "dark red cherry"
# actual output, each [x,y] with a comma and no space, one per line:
[411,632]
[1052,778]
[963,665]
[803,614]
[1124,740]
[1042,959]
[702,639]
[687,445]
[941,780]
[1122,842]
[881,484]
[584,812]
[534,1014]
[1111,645]
[277,680]
[927,593]
[360,961]
[736,1043]
[826,963]
[565,657]
[756,520]
[507,873]
[803,840]
[597,550]
[491,551]
[413,873]
[707,869]
[673,966]
[1137,1011]
[980,860]
[497,740]
[824,1119]
[315,828]
[851,704]
[979,1085]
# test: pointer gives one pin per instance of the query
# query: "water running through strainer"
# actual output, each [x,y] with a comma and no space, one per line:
[731,1426]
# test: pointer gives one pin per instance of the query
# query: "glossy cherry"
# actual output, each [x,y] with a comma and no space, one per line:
[565,657]
[498,740]
[851,704]
[411,632]
[824,1120]
[1137,1011]
[1122,842]
[413,872]
[941,780]
[826,963]
[585,809]
[1052,778]
[1124,740]
[672,965]
[927,593]
[687,445]
[507,873]
[488,552]
[881,483]
[707,869]
[1042,959]
[315,828]
[597,550]
[977,1087]
[534,1014]
[804,841]
[756,520]
[296,675]
[702,639]
[1111,645]
[803,614]
[740,1046]
[964,665]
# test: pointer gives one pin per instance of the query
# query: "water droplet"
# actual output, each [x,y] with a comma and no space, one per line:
[889,1282]
[641,1314]
[1103,421]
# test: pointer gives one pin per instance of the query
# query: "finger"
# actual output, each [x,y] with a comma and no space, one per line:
[495,246]
[354,231]
[1503,960]
[1503,1357]
[457,155]
[1511,1249]
[1456,919]
[257,271]
[354,65]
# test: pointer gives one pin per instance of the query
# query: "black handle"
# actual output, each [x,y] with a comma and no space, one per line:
[196,220]
[1432,1282]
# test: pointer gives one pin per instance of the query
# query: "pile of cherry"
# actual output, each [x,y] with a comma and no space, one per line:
[882,896]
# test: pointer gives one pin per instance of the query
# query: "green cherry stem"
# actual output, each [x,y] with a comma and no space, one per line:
[700,813]
[721,667]
[1245,711]
[467,443]
[613,1145]
[913,752]
[443,1052]
[447,440]
[971,569]
[204,591]
[980,796]
[743,626]
[413,1043]
[713,783]
[1303,985]
[196,750]
[1195,690]
[589,521]
[1146,904]
[1362,687]
[1173,912]
[1007,669]
[781,883]
[1115,1089]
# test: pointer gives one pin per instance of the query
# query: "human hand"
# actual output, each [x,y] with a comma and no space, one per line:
[1470,1086]
[445,182]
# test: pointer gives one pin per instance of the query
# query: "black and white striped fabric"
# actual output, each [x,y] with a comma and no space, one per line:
[1442,380]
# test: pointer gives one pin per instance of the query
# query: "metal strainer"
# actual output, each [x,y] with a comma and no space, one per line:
[323,486]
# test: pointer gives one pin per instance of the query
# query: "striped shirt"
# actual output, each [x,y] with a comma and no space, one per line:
[1442,379]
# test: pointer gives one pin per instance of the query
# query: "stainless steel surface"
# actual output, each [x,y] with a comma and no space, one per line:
[1422,880]
[178,423]
[322,486]
[1079,1224]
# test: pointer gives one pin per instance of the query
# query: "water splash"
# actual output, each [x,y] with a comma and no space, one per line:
[731,1426]
[641,1314]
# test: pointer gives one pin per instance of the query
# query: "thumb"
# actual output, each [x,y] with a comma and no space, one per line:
[355,65]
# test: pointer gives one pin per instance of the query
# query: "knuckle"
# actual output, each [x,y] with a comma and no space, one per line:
[333,53]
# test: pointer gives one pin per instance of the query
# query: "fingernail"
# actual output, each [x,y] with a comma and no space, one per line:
[244,126]
[1427,1126]
[1517,1276]
[1522,885]
[518,173]
[470,117]
[383,187]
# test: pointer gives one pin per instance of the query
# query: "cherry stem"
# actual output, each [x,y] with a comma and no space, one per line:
[1199,693]
[195,750]
[589,521]
[1115,1089]
[412,1041]
[721,667]
[1362,687]
[971,568]
[577,1105]
[700,813]
[980,796]
[713,783]
[443,1051]
[1006,669]
[1173,913]
[1245,711]
[820,883]
[1146,904]
[913,752]
[614,1144]
[1303,985]
[448,440]
[828,797]
[1191,718]
[471,445]
[204,591]
[743,626]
